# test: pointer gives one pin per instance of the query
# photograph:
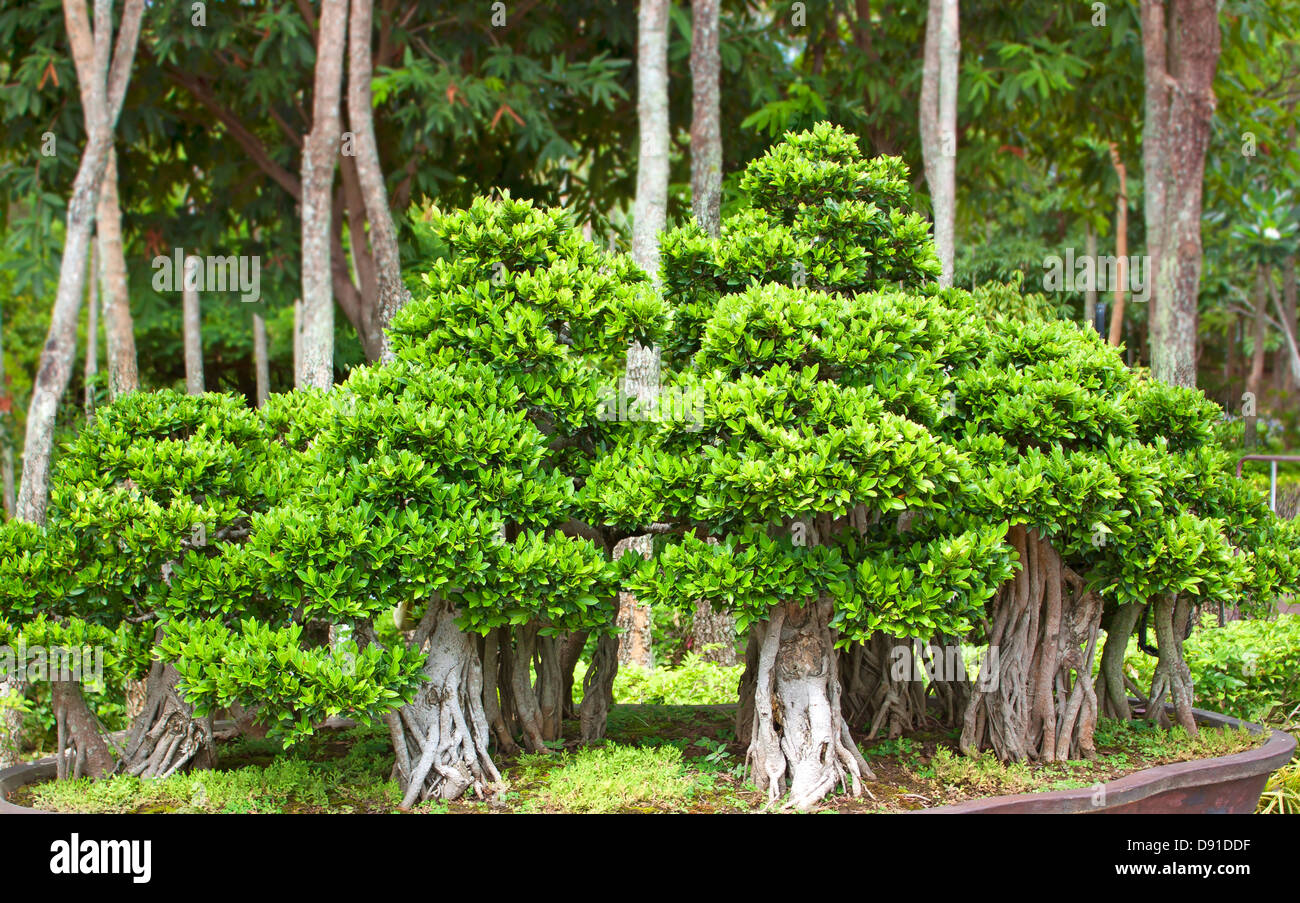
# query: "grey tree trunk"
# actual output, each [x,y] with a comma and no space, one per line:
[393,294]
[192,327]
[102,82]
[119,329]
[6,434]
[939,125]
[319,155]
[650,210]
[261,365]
[1189,45]
[1090,294]
[1155,113]
[1255,380]
[706,119]
[91,367]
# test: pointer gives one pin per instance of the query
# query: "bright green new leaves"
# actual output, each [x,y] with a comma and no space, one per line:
[291,688]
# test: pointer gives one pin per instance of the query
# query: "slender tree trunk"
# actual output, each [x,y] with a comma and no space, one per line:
[1121,249]
[1286,311]
[393,294]
[261,365]
[192,326]
[650,210]
[939,125]
[102,83]
[119,329]
[706,121]
[91,367]
[1090,293]
[1255,381]
[1155,114]
[6,433]
[649,216]
[319,155]
[1191,59]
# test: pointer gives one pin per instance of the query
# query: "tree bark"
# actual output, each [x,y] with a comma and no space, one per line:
[261,364]
[1035,698]
[441,738]
[1188,46]
[1255,381]
[320,150]
[166,737]
[1090,293]
[1121,249]
[192,326]
[799,741]
[1110,675]
[650,209]
[81,752]
[939,125]
[91,365]
[393,294]
[706,119]
[6,437]
[119,329]
[102,83]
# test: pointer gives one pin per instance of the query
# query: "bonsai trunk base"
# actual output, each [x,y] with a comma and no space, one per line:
[82,751]
[441,739]
[799,742]
[166,736]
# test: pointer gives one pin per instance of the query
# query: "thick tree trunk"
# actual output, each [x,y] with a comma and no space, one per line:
[1035,698]
[799,742]
[192,326]
[81,751]
[119,328]
[166,737]
[1190,47]
[939,125]
[706,119]
[1155,115]
[393,295]
[102,84]
[319,154]
[713,634]
[11,720]
[650,210]
[441,739]
[1289,379]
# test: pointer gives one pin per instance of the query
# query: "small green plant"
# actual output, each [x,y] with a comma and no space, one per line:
[614,777]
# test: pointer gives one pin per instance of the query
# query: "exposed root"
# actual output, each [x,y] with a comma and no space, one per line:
[166,736]
[441,738]
[82,751]
[598,689]
[1035,698]
[1172,675]
[1110,674]
[800,746]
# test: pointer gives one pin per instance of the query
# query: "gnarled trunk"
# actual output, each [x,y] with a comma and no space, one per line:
[82,752]
[1110,675]
[598,689]
[799,741]
[441,738]
[1172,675]
[1035,698]
[166,736]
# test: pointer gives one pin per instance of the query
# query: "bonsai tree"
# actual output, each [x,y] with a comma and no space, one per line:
[409,483]
[813,435]
[518,290]
[158,481]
